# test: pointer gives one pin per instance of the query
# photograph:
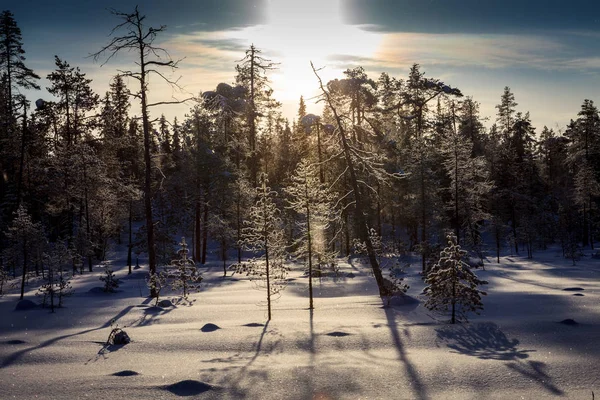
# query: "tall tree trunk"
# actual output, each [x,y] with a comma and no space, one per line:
[204,233]
[129,243]
[362,227]
[24,268]
[147,169]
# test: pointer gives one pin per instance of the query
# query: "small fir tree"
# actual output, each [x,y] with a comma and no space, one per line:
[56,285]
[263,235]
[452,285]
[156,282]
[111,282]
[186,276]
[313,204]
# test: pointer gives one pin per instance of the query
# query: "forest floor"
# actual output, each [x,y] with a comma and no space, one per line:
[219,344]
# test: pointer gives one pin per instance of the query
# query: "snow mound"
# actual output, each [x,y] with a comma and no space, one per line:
[209,328]
[24,305]
[126,372]
[15,341]
[337,334]
[569,321]
[188,388]
[165,303]
[253,325]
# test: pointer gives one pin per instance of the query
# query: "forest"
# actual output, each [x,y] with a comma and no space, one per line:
[395,213]
[400,161]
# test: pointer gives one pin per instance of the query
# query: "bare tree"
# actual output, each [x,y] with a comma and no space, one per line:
[359,206]
[139,39]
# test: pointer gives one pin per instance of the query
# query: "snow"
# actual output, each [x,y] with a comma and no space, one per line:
[219,344]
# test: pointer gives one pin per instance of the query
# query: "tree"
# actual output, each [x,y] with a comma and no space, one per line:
[469,184]
[186,276]
[56,285]
[251,74]
[12,59]
[506,110]
[111,282]
[312,203]
[76,98]
[140,40]
[264,237]
[452,284]
[23,232]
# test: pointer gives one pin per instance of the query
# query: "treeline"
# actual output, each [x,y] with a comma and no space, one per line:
[390,162]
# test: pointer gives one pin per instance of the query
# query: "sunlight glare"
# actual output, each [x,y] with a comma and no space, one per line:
[298,32]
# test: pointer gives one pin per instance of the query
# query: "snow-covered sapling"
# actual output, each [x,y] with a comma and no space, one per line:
[452,285]
[56,285]
[111,282]
[313,203]
[156,282]
[263,235]
[186,276]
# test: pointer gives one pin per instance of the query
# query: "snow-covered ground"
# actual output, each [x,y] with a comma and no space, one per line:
[350,347]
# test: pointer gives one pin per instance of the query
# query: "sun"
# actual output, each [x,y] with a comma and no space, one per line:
[298,32]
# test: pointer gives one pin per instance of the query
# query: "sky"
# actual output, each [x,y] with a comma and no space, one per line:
[547,52]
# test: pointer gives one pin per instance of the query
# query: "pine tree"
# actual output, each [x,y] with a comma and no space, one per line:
[312,203]
[150,58]
[263,235]
[12,59]
[506,111]
[22,233]
[111,282]
[452,285]
[251,74]
[56,285]
[76,98]
[186,276]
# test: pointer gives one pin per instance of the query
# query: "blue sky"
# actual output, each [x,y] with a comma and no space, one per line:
[548,52]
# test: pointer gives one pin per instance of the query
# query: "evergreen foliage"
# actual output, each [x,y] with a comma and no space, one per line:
[111,282]
[185,276]
[263,235]
[452,286]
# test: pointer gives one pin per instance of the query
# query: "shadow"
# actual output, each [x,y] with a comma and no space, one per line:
[151,315]
[483,340]
[104,352]
[15,341]
[188,388]
[17,355]
[337,334]
[209,328]
[126,372]
[487,342]
[417,386]
[534,371]
[253,325]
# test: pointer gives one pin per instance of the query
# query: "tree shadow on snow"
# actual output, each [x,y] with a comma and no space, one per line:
[420,392]
[483,340]
[17,355]
[486,341]
[238,379]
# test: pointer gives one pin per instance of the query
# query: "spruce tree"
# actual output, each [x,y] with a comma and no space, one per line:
[12,59]
[263,235]
[185,276]
[452,285]
[313,205]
